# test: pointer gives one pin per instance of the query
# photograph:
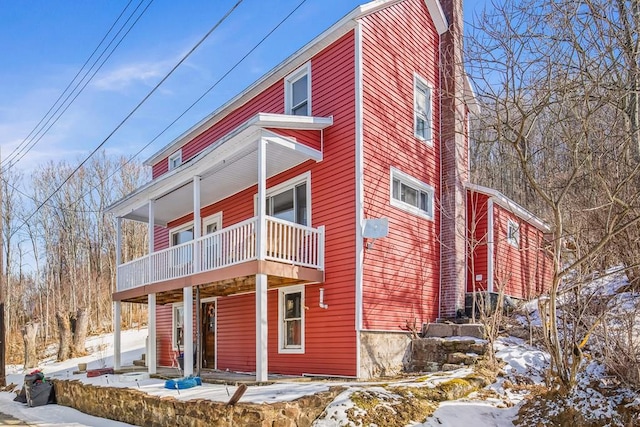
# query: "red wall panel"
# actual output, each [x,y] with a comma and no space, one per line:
[401,271]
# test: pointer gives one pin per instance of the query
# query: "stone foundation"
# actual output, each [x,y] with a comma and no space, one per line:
[435,354]
[135,407]
[383,354]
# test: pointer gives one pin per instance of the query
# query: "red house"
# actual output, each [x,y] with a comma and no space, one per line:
[308,221]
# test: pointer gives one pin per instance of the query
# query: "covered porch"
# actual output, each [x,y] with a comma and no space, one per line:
[256,254]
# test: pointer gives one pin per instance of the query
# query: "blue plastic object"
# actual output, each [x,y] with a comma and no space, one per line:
[183,383]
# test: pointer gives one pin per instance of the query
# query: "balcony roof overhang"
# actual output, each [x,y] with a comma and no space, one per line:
[226,167]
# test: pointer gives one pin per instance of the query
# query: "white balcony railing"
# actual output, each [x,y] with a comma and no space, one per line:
[286,242]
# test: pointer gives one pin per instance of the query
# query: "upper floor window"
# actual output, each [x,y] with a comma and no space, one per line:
[291,200]
[513,233]
[422,111]
[411,194]
[297,92]
[175,160]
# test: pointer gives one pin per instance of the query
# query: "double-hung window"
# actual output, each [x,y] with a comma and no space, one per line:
[290,200]
[411,194]
[422,111]
[513,233]
[183,255]
[297,89]
[175,160]
[178,326]
[291,316]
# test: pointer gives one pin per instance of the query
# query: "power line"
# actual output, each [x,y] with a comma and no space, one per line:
[122,122]
[215,84]
[35,136]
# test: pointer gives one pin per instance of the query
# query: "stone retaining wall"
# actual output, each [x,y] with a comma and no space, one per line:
[135,407]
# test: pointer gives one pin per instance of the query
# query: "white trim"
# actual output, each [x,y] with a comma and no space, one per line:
[513,241]
[180,228]
[175,305]
[174,161]
[490,244]
[417,185]
[421,82]
[281,293]
[210,219]
[287,185]
[305,70]
[359,172]
[511,206]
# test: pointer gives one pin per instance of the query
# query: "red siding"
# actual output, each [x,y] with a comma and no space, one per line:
[477,234]
[523,271]
[332,196]
[401,271]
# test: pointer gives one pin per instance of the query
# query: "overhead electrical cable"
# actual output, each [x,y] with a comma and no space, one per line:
[123,121]
[40,130]
[215,84]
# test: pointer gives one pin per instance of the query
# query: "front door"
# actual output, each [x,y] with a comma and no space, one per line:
[209,334]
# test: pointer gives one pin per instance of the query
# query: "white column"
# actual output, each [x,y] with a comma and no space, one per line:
[152,349]
[197,224]
[117,347]
[262,364]
[118,248]
[188,331]
[151,238]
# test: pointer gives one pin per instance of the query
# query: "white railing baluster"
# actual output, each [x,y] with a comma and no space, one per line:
[286,242]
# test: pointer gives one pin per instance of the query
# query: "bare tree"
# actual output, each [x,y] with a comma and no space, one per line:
[560,118]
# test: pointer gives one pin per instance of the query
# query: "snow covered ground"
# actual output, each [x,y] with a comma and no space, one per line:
[496,405]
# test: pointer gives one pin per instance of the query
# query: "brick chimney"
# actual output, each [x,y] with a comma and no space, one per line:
[454,164]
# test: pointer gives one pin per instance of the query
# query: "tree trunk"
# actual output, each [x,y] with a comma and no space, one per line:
[64,333]
[29,334]
[80,326]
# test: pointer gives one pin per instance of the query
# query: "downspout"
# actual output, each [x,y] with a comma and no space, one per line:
[490,245]
[359,182]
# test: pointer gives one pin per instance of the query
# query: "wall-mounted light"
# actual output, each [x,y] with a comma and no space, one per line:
[322,304]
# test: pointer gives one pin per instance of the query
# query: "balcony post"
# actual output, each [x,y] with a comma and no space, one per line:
[118,249]
[188,330]
[197,224]
[117,316]
[262,364]
[151,345]
[151,238]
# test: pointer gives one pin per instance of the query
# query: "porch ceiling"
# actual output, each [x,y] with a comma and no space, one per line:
[227,167]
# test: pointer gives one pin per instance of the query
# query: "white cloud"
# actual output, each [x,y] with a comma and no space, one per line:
[127,75]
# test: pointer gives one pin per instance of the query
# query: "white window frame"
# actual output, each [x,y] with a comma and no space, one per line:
[175,160]
[174,325]
[281,321]
[179,229]
[287,185]
[513,233]
[421,83]
[288,84]
[416,184]
[216,217]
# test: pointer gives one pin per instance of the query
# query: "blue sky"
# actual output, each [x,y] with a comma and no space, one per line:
[45,42]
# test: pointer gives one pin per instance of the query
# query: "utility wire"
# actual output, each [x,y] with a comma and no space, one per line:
[122,122]
[35,138]
[215,84]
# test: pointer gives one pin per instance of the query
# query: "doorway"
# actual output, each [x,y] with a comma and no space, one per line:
[209,334]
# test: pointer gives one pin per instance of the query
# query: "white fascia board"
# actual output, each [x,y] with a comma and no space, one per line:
[287,121]
[511,206]
[437,15]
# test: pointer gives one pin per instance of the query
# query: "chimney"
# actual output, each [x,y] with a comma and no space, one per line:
[454,165]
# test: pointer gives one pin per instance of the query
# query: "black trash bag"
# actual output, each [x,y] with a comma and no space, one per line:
[40,393]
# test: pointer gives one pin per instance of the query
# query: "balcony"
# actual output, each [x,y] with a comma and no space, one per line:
[287,243]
